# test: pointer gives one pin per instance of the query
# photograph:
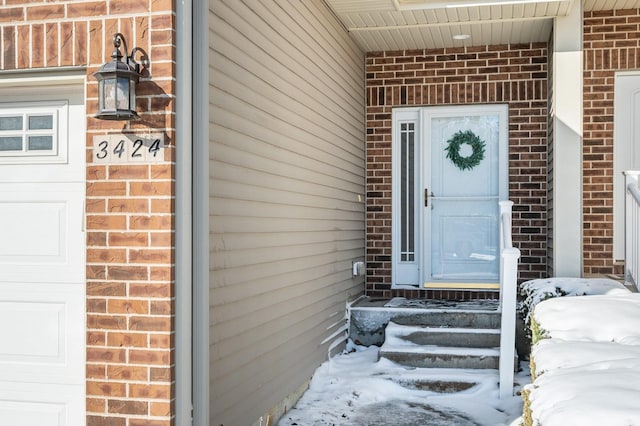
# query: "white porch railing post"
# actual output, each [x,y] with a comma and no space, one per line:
[508,284]
[505,235]
[508,325]
[505,224]
[632,228]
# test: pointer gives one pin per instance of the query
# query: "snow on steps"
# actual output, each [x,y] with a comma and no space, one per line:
[429,337]
[441,347]
[369,317]
[445,336]
[440,380]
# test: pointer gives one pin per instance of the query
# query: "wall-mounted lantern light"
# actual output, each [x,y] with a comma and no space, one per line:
[117,84]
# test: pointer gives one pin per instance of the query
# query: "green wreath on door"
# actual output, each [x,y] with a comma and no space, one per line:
[455,143]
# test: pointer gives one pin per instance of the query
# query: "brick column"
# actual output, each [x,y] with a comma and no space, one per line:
[130,207]
[611,43]
[130,237]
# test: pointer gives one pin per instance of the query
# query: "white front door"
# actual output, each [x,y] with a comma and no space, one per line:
[462,176]
[42,253]
[450,171]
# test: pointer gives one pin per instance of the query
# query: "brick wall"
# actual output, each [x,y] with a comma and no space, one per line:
[611,43]
[513,74]
[130,243]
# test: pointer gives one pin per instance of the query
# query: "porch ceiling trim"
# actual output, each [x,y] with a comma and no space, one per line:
[378,25]
[429,4]
[446,24]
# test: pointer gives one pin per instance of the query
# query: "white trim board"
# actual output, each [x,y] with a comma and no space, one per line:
[626,152]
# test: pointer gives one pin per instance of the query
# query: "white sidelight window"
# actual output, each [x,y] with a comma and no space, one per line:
[407,193]
[406,249]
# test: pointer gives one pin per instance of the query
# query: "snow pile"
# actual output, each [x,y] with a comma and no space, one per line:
[356,389]
[583,397]
[556,354]
[588,371]
[536,291]
[604,318]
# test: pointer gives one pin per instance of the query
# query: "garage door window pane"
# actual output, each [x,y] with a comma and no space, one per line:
[29,131]
[40,143]
[40,122]
[11,123]
[10,143]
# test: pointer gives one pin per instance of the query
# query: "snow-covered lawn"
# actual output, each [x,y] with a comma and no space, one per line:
[588,367]
[356,389]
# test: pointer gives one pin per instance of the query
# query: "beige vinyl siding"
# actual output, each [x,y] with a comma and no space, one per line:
[550,162]
[286,199]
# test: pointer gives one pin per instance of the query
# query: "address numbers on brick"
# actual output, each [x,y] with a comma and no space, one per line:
[128,148]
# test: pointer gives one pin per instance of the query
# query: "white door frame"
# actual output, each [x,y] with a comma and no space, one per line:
[411,274]
[624,151]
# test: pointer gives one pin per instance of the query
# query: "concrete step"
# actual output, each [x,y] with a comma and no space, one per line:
[442,347]
[369,317]
[441,356]
[445,336]
[452,319]
[428,379]
[440,380]
[439,386]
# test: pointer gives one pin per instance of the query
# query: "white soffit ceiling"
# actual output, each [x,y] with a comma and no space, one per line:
[426,24]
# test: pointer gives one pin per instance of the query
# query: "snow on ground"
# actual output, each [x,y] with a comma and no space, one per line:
[554,354]
[588,371]
[587,398]
[602,318]
[356,389]
[544,288]
[535,291]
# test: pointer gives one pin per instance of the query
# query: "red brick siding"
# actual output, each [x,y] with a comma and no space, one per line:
[513,74]
[130,208]
[611,43]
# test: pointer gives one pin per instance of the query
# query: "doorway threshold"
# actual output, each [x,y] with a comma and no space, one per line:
[461,286]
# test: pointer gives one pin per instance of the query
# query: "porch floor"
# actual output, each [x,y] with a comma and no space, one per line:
[431,304]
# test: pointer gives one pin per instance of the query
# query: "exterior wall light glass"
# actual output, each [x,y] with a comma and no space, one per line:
[117,84]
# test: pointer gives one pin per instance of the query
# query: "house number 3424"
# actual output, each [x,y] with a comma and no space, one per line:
[128,148]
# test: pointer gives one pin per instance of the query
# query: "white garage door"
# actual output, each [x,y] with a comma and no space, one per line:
[42,252]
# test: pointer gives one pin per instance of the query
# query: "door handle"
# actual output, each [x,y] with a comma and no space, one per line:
[426,197]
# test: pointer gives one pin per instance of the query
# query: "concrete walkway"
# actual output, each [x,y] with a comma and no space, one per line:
[403,413]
